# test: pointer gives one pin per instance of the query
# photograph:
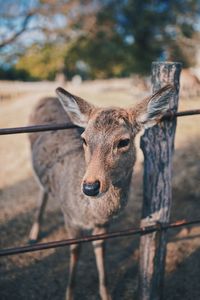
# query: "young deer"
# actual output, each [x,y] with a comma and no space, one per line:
[89,170]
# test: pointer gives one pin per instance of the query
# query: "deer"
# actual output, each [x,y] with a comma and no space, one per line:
[88,168]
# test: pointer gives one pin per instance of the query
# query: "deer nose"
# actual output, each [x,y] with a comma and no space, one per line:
[91,189]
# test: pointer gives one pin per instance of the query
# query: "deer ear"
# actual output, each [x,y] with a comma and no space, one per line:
[149,112]
[77,109]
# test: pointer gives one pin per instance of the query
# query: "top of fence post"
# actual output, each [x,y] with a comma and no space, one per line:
[157,145]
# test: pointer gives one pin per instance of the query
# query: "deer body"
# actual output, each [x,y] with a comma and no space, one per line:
[88,171]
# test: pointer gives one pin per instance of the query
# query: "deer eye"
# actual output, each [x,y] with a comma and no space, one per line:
[123,143]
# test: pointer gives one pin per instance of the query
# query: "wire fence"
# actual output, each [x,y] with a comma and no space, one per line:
[158,227]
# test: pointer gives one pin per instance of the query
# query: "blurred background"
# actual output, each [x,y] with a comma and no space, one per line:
[102,51]
[41,39]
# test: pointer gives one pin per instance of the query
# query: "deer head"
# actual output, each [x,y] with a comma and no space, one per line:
[108,138]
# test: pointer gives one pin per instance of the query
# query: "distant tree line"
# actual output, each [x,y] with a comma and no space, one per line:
[95,38]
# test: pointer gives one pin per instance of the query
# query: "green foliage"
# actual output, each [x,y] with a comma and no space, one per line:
[131,34]
[42,62]
[103,56]
[13,74]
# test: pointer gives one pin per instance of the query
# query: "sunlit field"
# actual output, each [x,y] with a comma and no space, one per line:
[44,274]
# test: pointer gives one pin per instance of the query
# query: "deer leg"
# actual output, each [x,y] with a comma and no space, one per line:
[74,256]
[34,233]
[99,250]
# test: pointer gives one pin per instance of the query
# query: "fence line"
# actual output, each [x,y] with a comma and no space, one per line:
[132,231]
[128,232]
[47,127]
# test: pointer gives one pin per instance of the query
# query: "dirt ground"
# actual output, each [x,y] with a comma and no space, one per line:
[43,275]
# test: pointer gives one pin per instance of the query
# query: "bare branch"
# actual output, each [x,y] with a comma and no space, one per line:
[19,32]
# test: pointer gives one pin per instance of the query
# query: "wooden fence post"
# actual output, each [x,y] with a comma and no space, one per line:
[157,145]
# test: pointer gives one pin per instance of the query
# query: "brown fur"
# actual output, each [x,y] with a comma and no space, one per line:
[63,164]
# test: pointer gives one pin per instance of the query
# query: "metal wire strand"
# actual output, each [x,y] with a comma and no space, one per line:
[48,127]
[127,232]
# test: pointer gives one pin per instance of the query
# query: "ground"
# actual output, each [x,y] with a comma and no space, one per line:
[43,274]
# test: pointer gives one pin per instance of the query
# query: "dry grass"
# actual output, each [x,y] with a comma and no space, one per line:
[24,276]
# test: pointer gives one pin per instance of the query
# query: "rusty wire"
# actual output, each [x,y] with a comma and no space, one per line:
[128,232]
[170,115]
[36,128]
[48,127]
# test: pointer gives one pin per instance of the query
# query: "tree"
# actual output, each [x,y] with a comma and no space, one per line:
[108,37]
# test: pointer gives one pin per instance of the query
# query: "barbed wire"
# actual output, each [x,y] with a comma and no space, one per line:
[48,127]
[128,232]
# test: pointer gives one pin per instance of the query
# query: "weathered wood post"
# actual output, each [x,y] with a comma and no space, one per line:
[157,144]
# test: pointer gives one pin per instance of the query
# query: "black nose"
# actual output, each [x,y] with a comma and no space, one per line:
[91,189]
